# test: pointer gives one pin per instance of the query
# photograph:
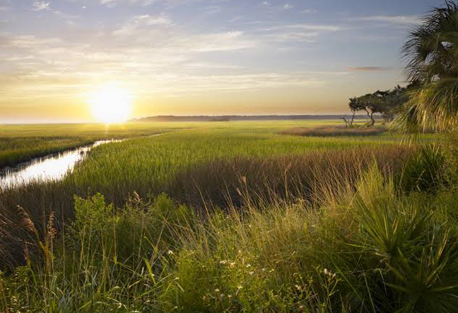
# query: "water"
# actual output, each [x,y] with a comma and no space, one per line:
[50,168]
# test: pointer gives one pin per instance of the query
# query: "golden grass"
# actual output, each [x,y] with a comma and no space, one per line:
[333,131]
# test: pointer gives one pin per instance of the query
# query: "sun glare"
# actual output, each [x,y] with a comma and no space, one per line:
[110,104]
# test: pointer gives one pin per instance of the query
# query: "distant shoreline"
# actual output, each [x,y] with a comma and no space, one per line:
[208,118]
[227,118]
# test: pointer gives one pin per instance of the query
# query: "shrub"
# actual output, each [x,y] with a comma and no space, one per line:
[424,171]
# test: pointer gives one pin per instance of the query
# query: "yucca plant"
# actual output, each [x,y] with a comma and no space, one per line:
[424,171]
[417,259]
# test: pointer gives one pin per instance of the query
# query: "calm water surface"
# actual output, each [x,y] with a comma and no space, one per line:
[50,168]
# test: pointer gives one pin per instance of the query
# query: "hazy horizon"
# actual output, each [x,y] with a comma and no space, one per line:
[197,57]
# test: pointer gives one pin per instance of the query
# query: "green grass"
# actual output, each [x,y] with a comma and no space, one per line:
[329,131]
[316,227]
[150,166]
[371,250]
[155,161]
[20,143]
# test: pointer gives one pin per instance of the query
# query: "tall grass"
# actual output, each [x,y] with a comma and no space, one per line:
[254,221]
[333,131]
[16,150]
[21,143]
[196,167]
[309,177]
[369,249]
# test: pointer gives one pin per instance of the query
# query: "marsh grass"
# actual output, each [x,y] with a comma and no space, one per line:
[309,177]
[315,224]
[197,169]
[21,143]
[17,150]
[369,248]
[334,131]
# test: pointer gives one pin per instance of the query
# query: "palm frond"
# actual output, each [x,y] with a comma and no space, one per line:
[433,107]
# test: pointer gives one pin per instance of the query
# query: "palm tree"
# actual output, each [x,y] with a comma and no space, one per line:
[432,54]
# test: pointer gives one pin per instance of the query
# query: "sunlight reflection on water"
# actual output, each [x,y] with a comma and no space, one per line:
[50,168]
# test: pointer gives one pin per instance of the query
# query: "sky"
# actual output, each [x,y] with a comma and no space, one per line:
[199,57]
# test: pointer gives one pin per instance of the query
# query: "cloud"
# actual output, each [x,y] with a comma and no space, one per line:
[188,84]
[309,27]
[397,20]
[112,3]
[287,6]
[152,20]
[369,69]
[293,36]
[212,66]
[41,6]
[155,54]
[137,49]
[296,32]
[46,6]
[147,2]
[58,67]
[222,41]
[141,23]
[25,41]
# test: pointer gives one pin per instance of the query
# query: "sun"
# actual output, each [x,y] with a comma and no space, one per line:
[110,104]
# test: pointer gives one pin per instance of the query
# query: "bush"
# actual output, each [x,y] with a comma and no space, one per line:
[425,171]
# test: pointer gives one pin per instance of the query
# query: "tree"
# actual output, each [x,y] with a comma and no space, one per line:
[355,106]
[373,103]
[393,101]
[432,54]
[387,103]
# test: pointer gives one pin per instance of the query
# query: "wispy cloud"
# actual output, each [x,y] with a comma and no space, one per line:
[398,20]
[288,6]
[212,66]
[141,2]
[308,27]
[142,22]
[41,6]
[224,41]
[132,51]
[296,32]
[160,47]
[146,31]
[369,68]
[149,2]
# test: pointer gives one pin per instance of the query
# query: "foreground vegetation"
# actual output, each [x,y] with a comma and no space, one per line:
[247,218]
[252,220]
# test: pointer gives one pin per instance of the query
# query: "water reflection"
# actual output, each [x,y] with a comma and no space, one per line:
[50,168]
